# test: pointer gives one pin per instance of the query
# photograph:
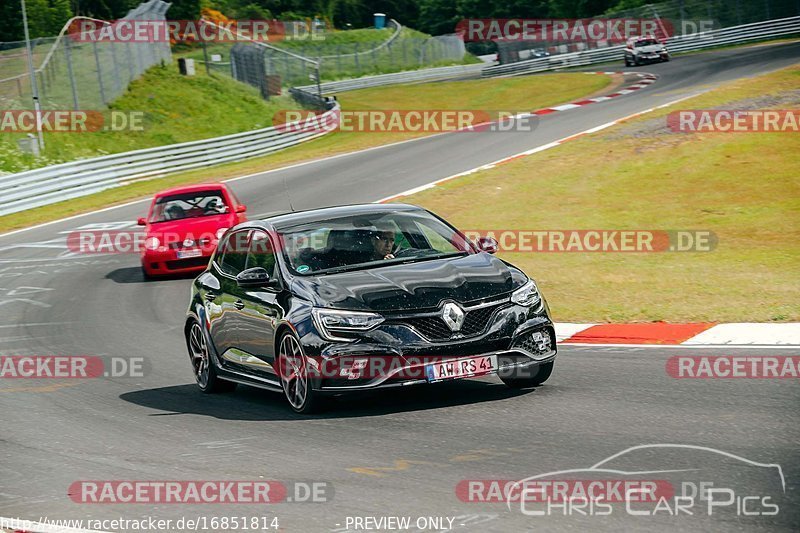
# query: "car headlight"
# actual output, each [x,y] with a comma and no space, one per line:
[527,295]
[331,321]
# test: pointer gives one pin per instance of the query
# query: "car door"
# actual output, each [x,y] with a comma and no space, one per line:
[224,305]
[262,310]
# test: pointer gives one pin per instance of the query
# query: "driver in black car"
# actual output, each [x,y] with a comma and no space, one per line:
[383,244]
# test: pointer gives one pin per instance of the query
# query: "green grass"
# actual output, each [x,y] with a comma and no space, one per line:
[177,109]
[524,93]
[743,187]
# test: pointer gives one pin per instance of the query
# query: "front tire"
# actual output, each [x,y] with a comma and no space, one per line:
[293,370]
[542,375]
[205,373]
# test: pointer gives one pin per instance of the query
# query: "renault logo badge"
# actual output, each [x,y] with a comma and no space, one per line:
[453,316]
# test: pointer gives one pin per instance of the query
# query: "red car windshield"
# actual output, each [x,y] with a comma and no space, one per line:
[189,205]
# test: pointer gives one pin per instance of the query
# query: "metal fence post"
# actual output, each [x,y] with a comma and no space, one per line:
[117,80]
[71,74]
[99,73]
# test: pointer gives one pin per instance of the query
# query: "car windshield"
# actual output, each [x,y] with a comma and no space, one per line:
[188,205]
[369,241]
[646,42]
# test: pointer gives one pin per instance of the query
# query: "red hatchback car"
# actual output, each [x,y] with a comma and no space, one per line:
[184,225]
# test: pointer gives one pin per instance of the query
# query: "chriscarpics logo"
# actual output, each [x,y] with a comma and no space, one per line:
[669,481]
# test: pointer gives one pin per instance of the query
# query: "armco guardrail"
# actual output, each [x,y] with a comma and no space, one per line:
[70,180]
[739,34]
[407,76]
[56,183]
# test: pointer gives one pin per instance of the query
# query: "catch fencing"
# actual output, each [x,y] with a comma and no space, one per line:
[69,180]
[292,63]
[757,31]
[73,72]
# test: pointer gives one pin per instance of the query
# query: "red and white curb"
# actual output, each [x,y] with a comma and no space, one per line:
[508,159]
[693,334]
[645,80]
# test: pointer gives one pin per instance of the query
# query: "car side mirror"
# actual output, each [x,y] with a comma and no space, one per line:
[487,244]
[241,208]
[253,277]
[141,221]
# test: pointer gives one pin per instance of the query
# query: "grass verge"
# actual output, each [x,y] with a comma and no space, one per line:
[639,175]
[177,109]
[517,94]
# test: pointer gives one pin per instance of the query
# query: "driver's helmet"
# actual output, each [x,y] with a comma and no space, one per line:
[175,212]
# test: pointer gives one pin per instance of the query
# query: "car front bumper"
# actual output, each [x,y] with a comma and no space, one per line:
[165,263]
[519,347]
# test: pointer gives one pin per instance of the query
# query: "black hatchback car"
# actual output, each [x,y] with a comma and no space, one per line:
[362,297]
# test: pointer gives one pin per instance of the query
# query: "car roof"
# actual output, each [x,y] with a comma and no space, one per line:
[192,188]
[325,213]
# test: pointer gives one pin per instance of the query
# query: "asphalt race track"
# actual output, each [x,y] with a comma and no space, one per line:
[396,454]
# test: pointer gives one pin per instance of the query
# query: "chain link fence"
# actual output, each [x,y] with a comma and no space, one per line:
[270,67]
[76,73]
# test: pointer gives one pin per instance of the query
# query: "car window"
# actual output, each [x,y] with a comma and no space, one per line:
[188,205]
[435,239]
[261,253]
[234,253]
[367,241]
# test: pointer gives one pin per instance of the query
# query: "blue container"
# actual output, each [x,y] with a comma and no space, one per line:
[380,21]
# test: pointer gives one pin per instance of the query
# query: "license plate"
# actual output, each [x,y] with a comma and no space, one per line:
[461,368]
[185,254]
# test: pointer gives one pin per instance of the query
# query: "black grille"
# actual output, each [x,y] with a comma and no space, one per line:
[536,346]
[192,262]
[434,327]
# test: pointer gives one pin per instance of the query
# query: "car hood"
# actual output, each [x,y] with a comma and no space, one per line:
[194,227]
[650,48]
[412,286]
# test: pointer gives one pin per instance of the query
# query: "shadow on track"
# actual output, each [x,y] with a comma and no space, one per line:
[135,275]
[250,403]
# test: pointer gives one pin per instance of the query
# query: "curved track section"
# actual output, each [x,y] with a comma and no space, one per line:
[397,454]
